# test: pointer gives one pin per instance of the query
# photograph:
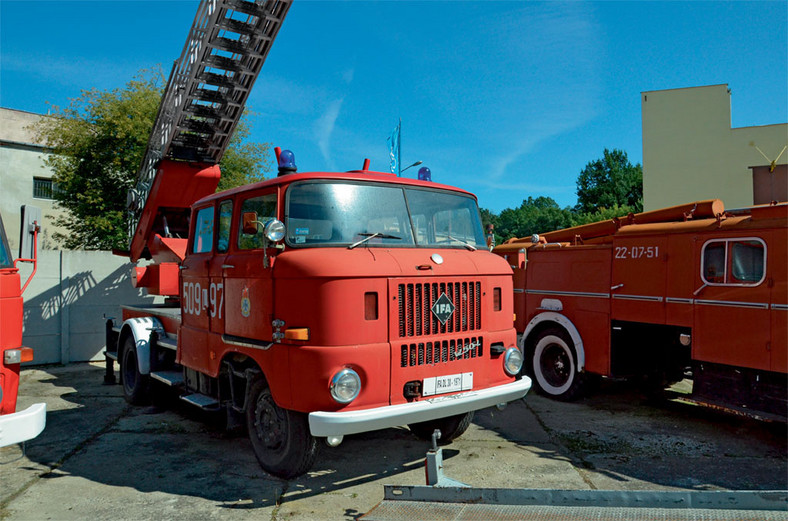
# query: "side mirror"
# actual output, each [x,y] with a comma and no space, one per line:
[250,222]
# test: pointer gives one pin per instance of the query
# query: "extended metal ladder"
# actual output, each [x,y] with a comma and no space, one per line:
[208,87]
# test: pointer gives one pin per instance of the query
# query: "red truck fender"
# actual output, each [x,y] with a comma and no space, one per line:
[562,321]
[140,329]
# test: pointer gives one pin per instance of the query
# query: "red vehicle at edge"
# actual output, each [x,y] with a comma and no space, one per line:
[15,427]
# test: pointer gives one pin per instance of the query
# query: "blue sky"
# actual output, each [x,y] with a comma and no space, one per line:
[505,99]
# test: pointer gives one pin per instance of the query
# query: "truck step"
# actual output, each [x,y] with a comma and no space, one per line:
[168,342]
[171,378]
[206,403]
[112,355]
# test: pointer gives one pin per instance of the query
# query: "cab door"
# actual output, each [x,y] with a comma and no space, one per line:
[216,291]
[195,291]
[732,324]
[247,275]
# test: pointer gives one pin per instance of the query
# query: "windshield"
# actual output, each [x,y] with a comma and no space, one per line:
[349,214]
[6,260]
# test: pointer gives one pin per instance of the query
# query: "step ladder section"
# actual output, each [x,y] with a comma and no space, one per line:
[202,401]
[208,87]
[171,378]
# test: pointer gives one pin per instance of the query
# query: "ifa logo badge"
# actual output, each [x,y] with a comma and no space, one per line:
[246,304]
[443,308]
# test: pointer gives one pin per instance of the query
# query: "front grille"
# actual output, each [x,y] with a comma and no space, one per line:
[444,351]
[415,301]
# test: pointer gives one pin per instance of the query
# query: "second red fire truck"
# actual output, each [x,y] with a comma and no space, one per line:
[692,290]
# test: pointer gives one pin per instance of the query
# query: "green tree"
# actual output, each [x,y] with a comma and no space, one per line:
[535,215]
[609,182]
[98,143]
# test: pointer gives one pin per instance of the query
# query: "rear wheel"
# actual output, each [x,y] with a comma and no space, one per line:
[451,427]
[280,438]
[136,386]
[554,366]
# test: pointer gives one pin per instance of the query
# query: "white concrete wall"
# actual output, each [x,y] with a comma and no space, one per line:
[67,299]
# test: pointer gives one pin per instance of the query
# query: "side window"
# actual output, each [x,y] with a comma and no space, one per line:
[734,261]
[714,263]
[203,231]
[747,261]
[265,207]
[225,220]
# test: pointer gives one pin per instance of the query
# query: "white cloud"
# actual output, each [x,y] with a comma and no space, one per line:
[324,128]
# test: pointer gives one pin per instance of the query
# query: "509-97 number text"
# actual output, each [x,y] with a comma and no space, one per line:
[197,299]
[637,252]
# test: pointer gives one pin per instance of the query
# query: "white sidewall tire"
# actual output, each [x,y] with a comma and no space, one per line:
[541,345]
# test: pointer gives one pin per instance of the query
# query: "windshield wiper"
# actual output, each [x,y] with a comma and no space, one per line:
[468,245]
[368,236]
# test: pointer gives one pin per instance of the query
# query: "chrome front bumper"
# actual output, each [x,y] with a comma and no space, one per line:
[340,423]
[23,425]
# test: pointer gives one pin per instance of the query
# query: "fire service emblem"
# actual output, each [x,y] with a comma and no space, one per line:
[246,304]
[443,308]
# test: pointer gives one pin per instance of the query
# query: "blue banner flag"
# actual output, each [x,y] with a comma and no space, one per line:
[394,143]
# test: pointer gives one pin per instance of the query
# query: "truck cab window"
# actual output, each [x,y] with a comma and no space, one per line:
[265,208]
[225,220]
[203,231]
[734,261]
[747,261]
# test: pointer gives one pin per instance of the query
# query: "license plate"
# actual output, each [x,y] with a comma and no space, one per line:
[447,384]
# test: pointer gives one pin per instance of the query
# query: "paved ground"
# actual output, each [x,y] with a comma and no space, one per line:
[100,459]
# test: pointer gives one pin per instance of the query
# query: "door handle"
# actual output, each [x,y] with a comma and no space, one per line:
[227,266]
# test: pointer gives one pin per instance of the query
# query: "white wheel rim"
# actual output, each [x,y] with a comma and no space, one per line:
[544,343]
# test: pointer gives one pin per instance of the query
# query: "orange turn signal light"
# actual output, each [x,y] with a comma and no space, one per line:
[17,356]
[297,334]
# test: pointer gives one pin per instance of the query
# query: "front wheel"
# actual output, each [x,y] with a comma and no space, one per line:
[136,386]
[554,366]
[280,438]
[451,427]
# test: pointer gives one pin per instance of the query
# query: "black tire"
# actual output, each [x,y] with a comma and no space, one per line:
[136,386]
[451,427]
[280,438]
[553,365]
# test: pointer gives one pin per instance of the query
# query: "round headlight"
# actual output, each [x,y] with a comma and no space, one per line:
[274,230]
[345,386]
[512,361]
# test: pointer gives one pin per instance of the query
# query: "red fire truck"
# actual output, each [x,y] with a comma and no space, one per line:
[15,427]
[688,290]
[312,305]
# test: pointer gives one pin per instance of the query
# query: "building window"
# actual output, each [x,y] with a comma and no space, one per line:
[44,188]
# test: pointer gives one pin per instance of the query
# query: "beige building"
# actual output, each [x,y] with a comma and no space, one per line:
[690,151]
[24,177]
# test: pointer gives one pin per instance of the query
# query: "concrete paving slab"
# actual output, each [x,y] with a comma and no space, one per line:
[101,459]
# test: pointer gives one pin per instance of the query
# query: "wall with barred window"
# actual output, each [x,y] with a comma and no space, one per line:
[24,177]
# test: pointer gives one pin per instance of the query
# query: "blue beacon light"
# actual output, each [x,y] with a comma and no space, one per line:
[287,162]
[425,174]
